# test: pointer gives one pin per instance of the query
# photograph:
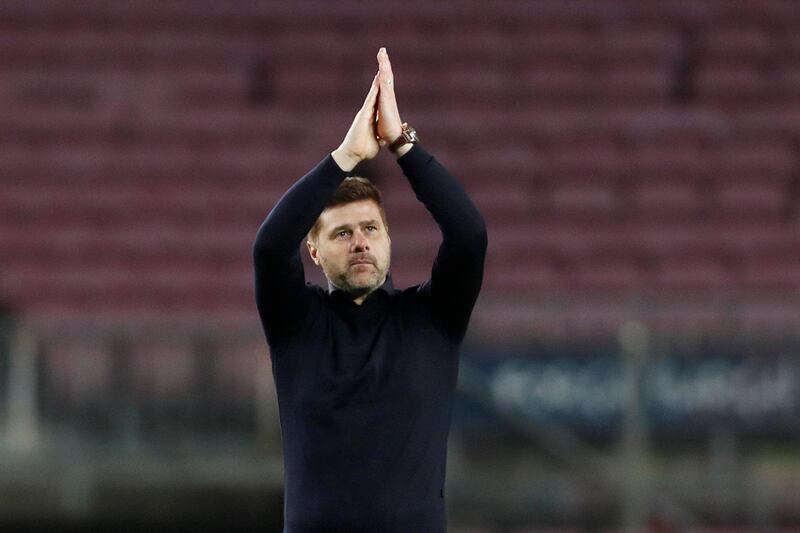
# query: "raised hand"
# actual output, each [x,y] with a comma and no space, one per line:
[361,141]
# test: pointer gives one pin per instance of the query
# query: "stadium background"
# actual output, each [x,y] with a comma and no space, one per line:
[632,362]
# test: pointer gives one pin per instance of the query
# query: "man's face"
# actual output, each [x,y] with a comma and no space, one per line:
[353,247]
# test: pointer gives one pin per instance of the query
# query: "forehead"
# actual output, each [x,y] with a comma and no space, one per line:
[350,214]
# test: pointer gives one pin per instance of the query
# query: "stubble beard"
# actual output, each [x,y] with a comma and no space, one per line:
[355,283]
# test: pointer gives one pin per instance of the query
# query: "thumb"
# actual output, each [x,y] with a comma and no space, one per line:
[372,95]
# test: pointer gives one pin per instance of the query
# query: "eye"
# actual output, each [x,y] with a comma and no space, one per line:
[343,234]
[372,228]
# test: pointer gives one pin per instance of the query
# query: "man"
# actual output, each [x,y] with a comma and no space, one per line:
[365,373]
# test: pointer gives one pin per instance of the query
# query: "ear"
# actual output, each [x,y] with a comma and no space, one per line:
[313,252]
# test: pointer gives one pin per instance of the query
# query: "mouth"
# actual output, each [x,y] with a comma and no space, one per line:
[364,261]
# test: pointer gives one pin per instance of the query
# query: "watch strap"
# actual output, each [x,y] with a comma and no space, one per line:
[408,135]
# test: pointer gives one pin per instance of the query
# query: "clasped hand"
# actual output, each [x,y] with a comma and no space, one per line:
[376,124]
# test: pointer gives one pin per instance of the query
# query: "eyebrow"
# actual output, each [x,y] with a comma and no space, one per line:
[339,228]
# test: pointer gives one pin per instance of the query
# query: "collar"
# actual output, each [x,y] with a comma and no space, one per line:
[386,287]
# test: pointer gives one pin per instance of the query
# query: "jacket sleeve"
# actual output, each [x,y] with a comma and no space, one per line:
[457,271]
[282,297]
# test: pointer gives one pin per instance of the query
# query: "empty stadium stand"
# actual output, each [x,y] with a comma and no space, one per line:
[615,147]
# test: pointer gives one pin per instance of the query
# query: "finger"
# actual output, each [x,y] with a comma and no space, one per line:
[385,70]
[387,100]
[372,95]
[371,101]
[383,58]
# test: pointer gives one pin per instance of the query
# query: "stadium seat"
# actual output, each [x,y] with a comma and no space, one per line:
[142,157]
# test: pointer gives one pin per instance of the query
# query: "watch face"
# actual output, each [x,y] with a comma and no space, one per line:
[409,135]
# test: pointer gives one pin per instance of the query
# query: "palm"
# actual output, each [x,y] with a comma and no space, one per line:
[388,129]
[362,136]
[371,149]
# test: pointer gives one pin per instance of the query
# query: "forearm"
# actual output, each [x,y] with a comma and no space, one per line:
[457,271]
[443,196]
[279,276]
[295,213]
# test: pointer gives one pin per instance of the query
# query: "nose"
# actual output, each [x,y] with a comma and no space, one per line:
[360,242]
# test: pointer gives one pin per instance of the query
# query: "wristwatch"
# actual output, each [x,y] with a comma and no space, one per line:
[408,135]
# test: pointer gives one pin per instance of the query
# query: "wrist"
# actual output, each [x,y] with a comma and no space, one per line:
[403,150]
[403,143]
[389,137]
[346,161]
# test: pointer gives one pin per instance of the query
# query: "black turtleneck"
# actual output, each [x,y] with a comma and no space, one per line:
[365,391]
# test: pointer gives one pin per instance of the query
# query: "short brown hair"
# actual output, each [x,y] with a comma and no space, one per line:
[352,189]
